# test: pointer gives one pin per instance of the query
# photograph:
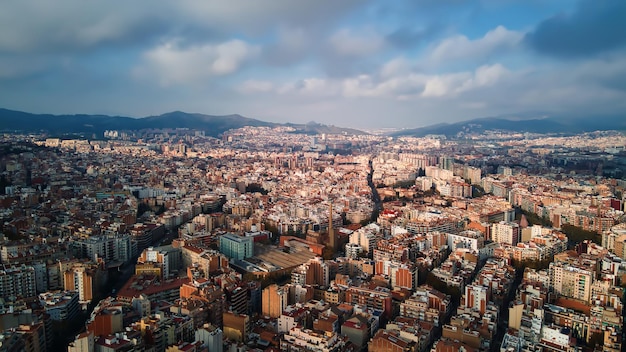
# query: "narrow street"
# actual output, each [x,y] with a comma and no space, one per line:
[503,318]
[378,204]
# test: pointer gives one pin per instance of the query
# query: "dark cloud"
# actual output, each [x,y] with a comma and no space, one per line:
[66,26]
[407,37]
[618,82]
[594,27]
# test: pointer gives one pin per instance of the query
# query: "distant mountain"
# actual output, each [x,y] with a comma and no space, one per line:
[534,123]
[317,128]
[11,120]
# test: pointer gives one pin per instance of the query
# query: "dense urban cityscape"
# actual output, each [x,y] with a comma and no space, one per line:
[270,240]
[313,176]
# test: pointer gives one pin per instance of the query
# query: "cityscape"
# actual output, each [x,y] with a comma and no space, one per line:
[313,176]
[266,240]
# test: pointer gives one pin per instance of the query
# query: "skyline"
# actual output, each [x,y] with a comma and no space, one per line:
[355,64]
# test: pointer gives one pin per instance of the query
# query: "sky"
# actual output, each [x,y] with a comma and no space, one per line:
[349,63]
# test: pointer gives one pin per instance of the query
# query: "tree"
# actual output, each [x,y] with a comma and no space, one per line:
[596,339]
[3,183]
[442,287]
[577,234]
[142,208]
[533,264]
[533,219]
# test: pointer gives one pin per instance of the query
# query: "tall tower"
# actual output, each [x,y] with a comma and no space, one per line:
[331,231]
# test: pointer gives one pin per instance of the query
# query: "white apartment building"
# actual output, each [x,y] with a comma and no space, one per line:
[505,232]
[571,281]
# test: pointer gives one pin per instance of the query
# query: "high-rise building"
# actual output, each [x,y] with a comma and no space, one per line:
[254,297]
[365,237]
[353,250]
[236,326]
[111,248]
[239,300]
[211,337]
[274,301]
[378,298]
[83,343]
[17,282]
[476,297]
[506,232]
[60,305]
[472,174]
[106,321]
[236,247]
[619,245]
[81,278]
[403,275]
[313,272]
[357,331]
[571,281]
[158,261]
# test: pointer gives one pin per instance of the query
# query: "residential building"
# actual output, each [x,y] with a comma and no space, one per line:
[236,247]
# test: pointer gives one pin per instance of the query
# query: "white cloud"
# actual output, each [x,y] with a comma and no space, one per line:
[460,47]
[360,86]
[413,85]
[445,85]
[173,64]
[394,67]
[484,76]
[452,84]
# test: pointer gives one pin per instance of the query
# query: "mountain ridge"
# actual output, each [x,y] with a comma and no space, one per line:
[213,125]
[543,123]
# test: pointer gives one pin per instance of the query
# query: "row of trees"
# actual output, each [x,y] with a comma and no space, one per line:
[437,284]
[533,219]
[577,234]
[533,264]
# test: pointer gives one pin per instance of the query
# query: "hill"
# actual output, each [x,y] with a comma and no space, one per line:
[520,123]
[18,121]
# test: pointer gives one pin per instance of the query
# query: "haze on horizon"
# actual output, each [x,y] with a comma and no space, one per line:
[351,63]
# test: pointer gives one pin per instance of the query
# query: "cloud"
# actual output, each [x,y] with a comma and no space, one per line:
[172,63]
[72,25]
[445,85]
[256,86]
[395,67]
[312,87]
[292,45]
[414,85]
[257,17]
[356,43]
[460,47]
[451,84]
[594,27]
[14,67]
[406,36]
[31,26]
[404,62]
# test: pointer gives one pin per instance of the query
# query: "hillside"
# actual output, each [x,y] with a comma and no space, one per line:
[18,121]
[542,124]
